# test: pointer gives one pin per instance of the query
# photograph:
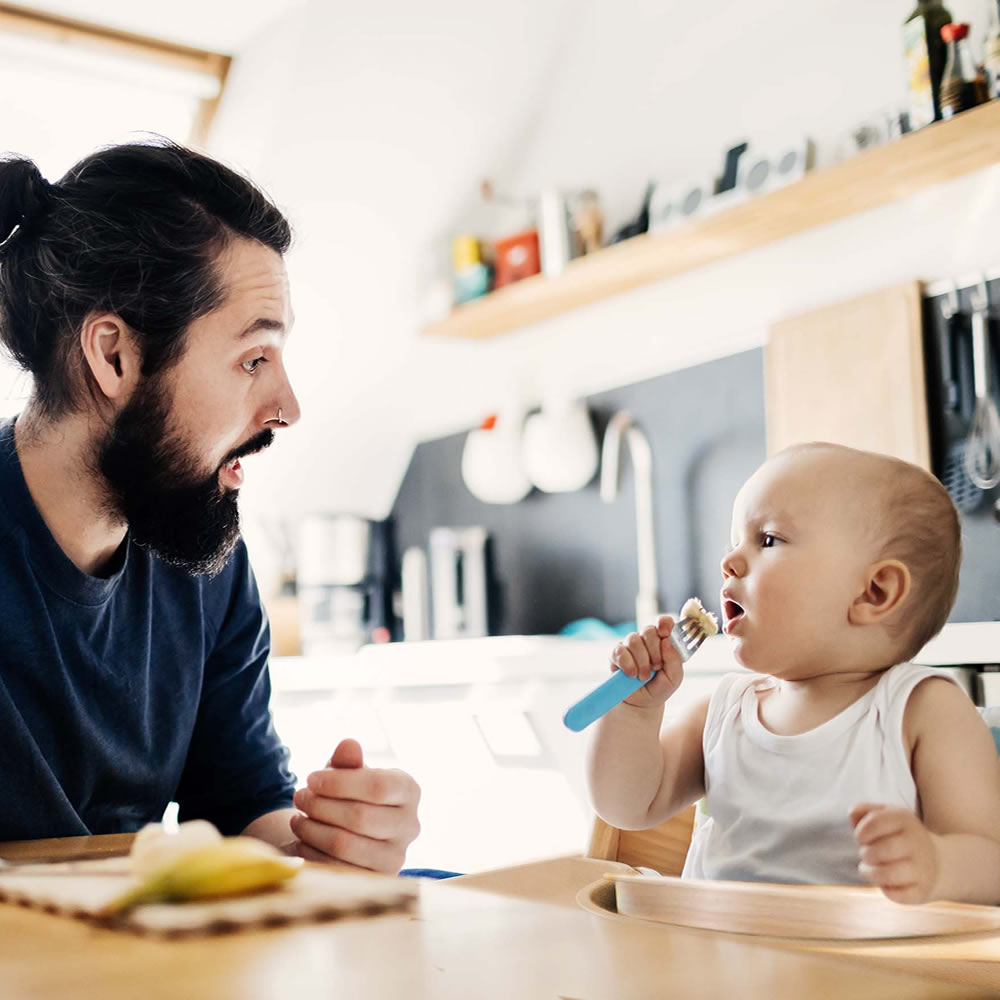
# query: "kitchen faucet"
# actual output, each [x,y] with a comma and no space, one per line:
[647,605]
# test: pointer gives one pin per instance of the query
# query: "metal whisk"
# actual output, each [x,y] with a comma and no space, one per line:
[982,447]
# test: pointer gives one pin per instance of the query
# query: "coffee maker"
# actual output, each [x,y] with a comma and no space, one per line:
[345,583]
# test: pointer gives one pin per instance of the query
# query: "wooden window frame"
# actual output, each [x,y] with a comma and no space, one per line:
[60,30]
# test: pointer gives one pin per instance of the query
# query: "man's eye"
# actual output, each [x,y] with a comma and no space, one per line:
[251,366]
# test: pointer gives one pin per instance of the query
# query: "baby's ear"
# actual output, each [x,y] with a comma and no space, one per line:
[887,586]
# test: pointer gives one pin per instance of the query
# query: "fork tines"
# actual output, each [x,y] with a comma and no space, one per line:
[692,635]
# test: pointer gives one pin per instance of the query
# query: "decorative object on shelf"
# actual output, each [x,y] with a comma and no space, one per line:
[516,257]
[554,232]
[673,204]
[588,222]
[729,177]
[771,170]
[670,206]
[491,460]
[640,224]
[864,136]
[882,126]
[963,85]
[924,55]
[559,447]
[471,273]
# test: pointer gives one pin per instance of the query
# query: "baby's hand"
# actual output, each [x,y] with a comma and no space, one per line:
[650,656]
[898,853]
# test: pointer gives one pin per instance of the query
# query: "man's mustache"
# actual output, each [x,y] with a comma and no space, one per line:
[257,443]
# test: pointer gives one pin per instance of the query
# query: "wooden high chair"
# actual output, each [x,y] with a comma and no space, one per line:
[662,848]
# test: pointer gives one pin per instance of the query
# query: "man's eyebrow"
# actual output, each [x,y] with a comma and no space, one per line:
[262,323]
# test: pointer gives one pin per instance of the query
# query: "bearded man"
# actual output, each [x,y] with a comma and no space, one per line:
[145,292]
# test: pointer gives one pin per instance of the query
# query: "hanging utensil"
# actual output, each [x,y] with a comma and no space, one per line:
[982,447]
[956,405]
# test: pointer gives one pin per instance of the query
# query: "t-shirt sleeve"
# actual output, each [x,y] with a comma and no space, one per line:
[237,767]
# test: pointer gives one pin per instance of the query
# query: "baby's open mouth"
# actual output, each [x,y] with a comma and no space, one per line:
[731,611]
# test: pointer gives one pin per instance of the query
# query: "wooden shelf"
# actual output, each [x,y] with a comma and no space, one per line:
[938,153]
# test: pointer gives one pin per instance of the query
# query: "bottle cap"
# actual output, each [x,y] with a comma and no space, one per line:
[954,32]
[465,252]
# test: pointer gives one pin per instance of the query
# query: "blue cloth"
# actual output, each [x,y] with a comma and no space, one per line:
[594,628]
[119,695]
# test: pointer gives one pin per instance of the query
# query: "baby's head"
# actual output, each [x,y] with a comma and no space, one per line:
[826,538]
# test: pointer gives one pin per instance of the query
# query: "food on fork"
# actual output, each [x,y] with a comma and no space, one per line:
[705,620]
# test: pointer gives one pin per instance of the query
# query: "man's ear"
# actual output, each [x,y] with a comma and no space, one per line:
[887,586]
[111,354]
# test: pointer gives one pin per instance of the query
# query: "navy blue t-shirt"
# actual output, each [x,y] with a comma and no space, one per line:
[119,695]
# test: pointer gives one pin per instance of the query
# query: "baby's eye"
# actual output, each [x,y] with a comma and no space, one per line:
[251,366]
[767,540]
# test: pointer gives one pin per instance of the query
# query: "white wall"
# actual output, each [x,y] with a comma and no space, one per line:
[373,127]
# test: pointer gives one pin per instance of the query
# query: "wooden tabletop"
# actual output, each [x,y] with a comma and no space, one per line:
[463,940]
[972,959]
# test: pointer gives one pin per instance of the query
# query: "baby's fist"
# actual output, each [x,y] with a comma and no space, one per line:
[650,656]
[897,852]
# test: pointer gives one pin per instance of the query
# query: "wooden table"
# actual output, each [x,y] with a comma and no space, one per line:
[469,938]
[972,959]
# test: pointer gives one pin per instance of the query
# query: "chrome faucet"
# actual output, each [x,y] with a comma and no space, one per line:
[647,603]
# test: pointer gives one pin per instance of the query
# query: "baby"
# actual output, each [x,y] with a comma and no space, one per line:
[835,761]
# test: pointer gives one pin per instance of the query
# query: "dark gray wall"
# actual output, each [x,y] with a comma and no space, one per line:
[564,556]
[560,557]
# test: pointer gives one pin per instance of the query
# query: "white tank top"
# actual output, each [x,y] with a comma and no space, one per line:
[777,805]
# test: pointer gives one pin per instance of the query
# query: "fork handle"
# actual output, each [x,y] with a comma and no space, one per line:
[612,692]
[601,700]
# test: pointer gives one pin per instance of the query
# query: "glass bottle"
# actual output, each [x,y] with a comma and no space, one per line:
[991,52]
[963,85]
[924,52]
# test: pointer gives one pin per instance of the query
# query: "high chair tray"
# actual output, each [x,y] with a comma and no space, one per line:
[845,913]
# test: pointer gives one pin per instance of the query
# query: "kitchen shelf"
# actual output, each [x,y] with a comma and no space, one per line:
[938,153]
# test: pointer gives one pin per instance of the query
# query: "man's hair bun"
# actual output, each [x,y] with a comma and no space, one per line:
[24,195]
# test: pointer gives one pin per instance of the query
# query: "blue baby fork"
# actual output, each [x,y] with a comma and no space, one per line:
[695,626]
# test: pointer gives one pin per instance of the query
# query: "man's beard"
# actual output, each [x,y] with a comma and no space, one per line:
[156,486]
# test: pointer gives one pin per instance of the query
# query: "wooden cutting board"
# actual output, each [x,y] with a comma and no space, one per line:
[852,373]
[831,913]
[79,889]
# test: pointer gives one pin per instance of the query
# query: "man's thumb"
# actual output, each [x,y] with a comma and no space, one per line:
[347,754]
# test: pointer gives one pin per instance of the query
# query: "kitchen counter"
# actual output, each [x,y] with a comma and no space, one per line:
[478,723]
[508,658]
